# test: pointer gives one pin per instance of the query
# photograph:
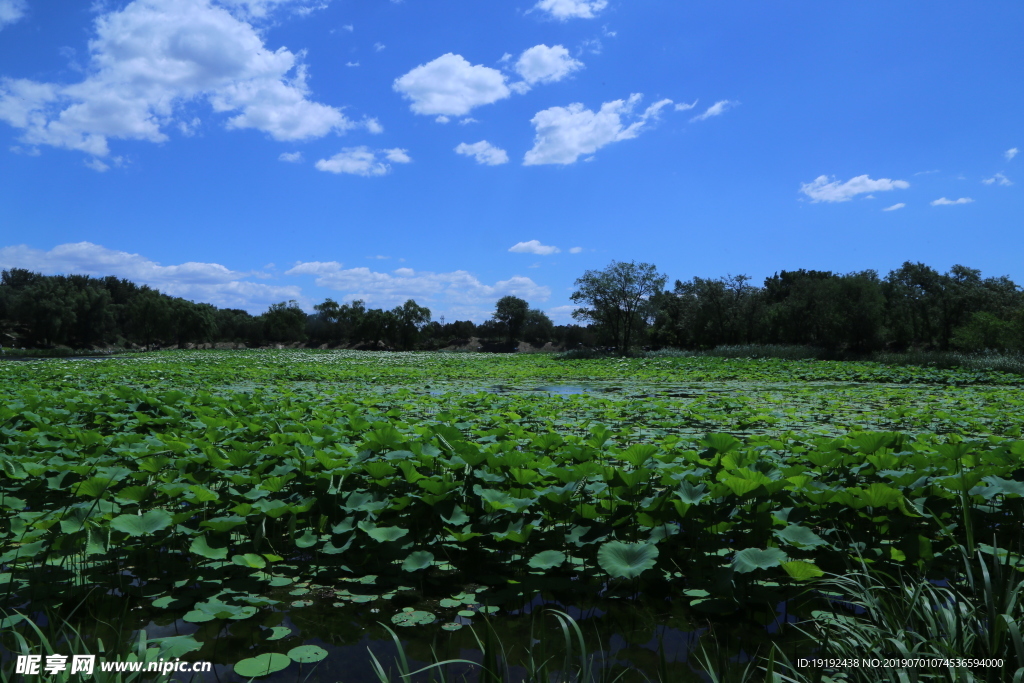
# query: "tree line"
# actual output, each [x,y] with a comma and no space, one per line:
[623,306]
[914,306]
[79,311]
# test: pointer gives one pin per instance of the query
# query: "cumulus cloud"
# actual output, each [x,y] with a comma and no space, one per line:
[451,86]
[942,201]
[208,282]
[291,157]
[11,11]
[533,247]
[457,290]
[363,161]
[821,190]
[566,133]
[484,153]
[715,109]
[894,207]
[543,64]
[998,178]
[571,9]
[1010,154]
[150,58]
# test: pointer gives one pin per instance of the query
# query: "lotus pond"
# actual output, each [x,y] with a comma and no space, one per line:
[280,506]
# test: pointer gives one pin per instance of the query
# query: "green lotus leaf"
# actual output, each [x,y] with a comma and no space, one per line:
[451,626]
[547,559]
[262,665]
[382,534]
[200,547]
[307,654]
[802,571]
[411,617]
[250,560]
[421,559]
[141,525]
[626,560]
[800,536]
[749,559]
[279,632]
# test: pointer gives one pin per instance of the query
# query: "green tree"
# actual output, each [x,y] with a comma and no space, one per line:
[618,299]
[510,312]
[284,322]
[537,328]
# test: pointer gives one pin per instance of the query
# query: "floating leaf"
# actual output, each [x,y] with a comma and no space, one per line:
[411,617]
[307,654]
[262,665]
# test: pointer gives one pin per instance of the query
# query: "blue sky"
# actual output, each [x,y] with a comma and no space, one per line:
[244,152]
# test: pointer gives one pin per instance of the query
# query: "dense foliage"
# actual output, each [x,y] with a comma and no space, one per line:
[438,488]
[624,304]
[913,306]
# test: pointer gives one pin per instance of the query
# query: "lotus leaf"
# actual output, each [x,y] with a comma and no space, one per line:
[262,665]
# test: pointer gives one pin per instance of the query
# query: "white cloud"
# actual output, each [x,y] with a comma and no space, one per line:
[484,153]
[208,282]
[998,178]
[11,11]
[97,165]
[927,172]
[715,109]
[683,106]
[396,155]
[543,64]
[153,56]
[457,290]
[451,86]
[377,47]
[534,247]
[351,63]
[942,201]
[566,133]
[821,190]
[571,9]
[363,161]
[894,207]
[1010,154]
[291,157]
[576,250]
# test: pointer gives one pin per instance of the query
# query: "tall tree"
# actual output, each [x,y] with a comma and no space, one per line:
[618,299]
[510,312]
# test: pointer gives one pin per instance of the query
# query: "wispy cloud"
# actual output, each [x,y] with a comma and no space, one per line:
[290,157]
[484,153]
[363,161]
[822,190]
[998,179]
[716,109]
[894,207]
[1010,154]
[533,247]
[942,201]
